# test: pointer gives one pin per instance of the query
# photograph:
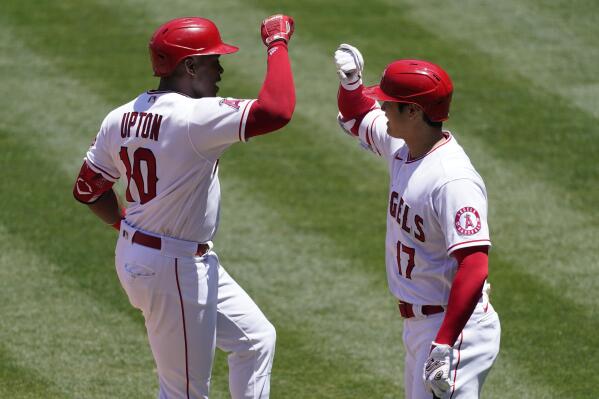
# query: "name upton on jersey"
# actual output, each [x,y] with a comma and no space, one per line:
[148,124]
[399,211]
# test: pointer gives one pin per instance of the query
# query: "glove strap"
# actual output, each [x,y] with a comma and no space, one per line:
[351,86]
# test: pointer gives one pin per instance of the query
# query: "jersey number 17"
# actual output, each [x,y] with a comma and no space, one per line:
[411,252]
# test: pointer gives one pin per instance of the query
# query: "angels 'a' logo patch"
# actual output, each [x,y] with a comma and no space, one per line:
[231,102]
[467,221]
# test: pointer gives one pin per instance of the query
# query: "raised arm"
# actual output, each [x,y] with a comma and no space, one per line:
[361,116]
[276,100]
[353,105]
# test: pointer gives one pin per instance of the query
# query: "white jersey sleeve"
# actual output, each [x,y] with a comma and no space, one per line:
[461,206]
[99,156]
[216,123]
[373,136]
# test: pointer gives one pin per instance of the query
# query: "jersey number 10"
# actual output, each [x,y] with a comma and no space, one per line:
[146,185]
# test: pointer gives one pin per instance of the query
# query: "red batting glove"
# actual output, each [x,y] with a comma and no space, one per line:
[276,27]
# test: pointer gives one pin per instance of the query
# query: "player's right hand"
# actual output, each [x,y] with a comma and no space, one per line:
[350,64]
[277,27]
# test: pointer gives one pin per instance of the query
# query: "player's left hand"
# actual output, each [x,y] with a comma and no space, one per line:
[277,27]
[350,64]
[436,370]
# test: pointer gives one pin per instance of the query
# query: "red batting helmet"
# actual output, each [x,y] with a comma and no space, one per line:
[415,82]
[184,37]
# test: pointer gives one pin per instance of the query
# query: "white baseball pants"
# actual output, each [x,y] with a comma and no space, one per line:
[191,305]
[471,359]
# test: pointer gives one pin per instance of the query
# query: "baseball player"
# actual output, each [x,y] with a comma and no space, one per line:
[166,144]
[437,234]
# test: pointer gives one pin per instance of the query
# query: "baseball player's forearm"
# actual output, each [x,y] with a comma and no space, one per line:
[465,292]
[353,105]
[107,208]
[95,191]
[276,100]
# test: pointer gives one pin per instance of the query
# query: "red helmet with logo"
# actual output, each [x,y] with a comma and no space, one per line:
[184,37]
[415,82]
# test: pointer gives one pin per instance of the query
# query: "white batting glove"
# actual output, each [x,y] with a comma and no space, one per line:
[436,370]
[350,64]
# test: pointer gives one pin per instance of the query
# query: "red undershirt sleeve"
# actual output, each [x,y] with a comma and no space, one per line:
[473,268]
[276,101]
[352,103]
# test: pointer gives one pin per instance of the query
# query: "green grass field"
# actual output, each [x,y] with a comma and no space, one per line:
[303,220]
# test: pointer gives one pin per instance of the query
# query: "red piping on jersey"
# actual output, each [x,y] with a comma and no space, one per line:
[467,242]
[455,373]
[372,136]
[447,136]
[368,136]
[184,329]
[241,120]
[100,169]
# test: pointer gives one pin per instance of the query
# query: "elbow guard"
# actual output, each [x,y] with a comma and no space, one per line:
[90,185]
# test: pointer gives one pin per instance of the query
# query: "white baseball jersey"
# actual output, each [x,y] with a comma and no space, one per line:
[437,204]
[167,145]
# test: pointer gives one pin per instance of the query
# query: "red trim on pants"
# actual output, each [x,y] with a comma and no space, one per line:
[455,374]
[184,329]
